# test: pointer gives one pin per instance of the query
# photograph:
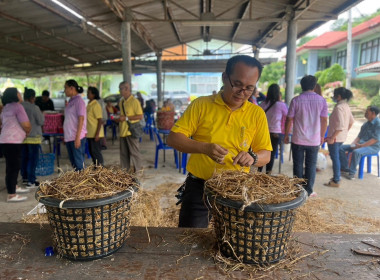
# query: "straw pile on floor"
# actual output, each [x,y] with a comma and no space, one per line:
[85,232]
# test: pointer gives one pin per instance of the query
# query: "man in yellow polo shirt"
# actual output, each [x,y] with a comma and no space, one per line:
[227,132]
[94,126]
[130,110]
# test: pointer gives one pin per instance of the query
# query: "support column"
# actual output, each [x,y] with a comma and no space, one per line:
[126,51]
[160,95]
[290,57]
[349,52]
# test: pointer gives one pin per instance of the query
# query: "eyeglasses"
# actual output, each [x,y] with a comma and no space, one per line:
[247,91]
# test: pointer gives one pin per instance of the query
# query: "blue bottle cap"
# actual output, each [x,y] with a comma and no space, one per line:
[49,251]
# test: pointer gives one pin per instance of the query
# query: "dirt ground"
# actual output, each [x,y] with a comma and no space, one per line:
[360,197]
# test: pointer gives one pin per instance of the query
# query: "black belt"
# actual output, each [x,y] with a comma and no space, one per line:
[195,177]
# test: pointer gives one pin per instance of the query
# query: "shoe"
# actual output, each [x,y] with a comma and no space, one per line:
[32,185]
[313,194]
[16,198]
[349,176]
[21,190]
[344,172]
[331,183]
[24,182]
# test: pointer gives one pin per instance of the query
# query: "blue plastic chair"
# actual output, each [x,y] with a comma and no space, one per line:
[183,163]
[369,165]
[160,145]
[149,125]
[113,125]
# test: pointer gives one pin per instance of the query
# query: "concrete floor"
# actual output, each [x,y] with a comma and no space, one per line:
[360,196]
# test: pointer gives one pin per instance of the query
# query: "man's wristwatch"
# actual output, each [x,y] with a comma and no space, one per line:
[254,155]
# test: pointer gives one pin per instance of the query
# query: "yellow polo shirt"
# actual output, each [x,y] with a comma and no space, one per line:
[209,119]
[94,112]
[129,107]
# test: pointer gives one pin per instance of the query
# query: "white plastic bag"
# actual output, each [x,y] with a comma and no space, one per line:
[321,162]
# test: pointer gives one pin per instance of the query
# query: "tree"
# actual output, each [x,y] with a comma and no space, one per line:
[332,74]
[305,39]
[342,24]
[273,72]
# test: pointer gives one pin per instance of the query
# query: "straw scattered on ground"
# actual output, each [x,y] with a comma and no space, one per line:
[92,182]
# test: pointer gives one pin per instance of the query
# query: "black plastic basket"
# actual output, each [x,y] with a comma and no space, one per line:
[258,234]
[89,229]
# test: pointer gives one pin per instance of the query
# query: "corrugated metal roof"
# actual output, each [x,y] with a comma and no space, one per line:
[39,37]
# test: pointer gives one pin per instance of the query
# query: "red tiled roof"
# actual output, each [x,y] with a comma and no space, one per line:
[329,39]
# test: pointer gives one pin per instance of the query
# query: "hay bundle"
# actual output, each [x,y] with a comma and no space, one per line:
[89,210]
[253,214]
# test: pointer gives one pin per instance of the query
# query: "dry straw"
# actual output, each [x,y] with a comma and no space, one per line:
[92,182]
[252,235]
[254,187]
[89,232]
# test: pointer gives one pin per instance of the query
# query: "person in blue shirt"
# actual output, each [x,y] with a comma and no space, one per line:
[367,143]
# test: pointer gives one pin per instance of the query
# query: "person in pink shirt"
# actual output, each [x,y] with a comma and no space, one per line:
[74,125]
[340,122]
[15,126]
[308,113]
[275,111]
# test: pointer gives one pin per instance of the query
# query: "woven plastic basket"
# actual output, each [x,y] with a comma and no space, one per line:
[45,165]
[90,229]
[257,235]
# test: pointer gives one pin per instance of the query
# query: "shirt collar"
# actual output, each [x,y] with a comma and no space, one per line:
[219,100]
[374,120]
[74,97]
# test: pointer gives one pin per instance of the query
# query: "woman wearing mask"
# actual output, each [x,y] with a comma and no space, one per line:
[15,126]
[340,122]
[95,131]
[275,111]
[74,126]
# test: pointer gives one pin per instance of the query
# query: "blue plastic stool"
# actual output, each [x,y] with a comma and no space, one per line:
[160,145]
[369,164]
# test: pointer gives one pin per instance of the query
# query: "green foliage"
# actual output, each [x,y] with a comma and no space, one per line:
[273,72]
[332,74]
[342,24]
[318,74]
[297,90]
[305,39]
[376,101]
[55,84]
[369,87]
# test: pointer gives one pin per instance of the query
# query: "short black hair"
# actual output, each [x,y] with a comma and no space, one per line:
[29,93]
[343,92]
[308,82]
[73,83]
[9,96]
[374,109]
[46,93]
[95,92]
[247,60]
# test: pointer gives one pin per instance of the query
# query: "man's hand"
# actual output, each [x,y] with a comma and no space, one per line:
[286,139]
[97,138]
[216,152]
[243,159]
[330,140]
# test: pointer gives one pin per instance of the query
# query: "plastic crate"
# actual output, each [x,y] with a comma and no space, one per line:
[45,165]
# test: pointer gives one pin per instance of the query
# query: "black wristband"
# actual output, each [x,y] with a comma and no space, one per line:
[254,155]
